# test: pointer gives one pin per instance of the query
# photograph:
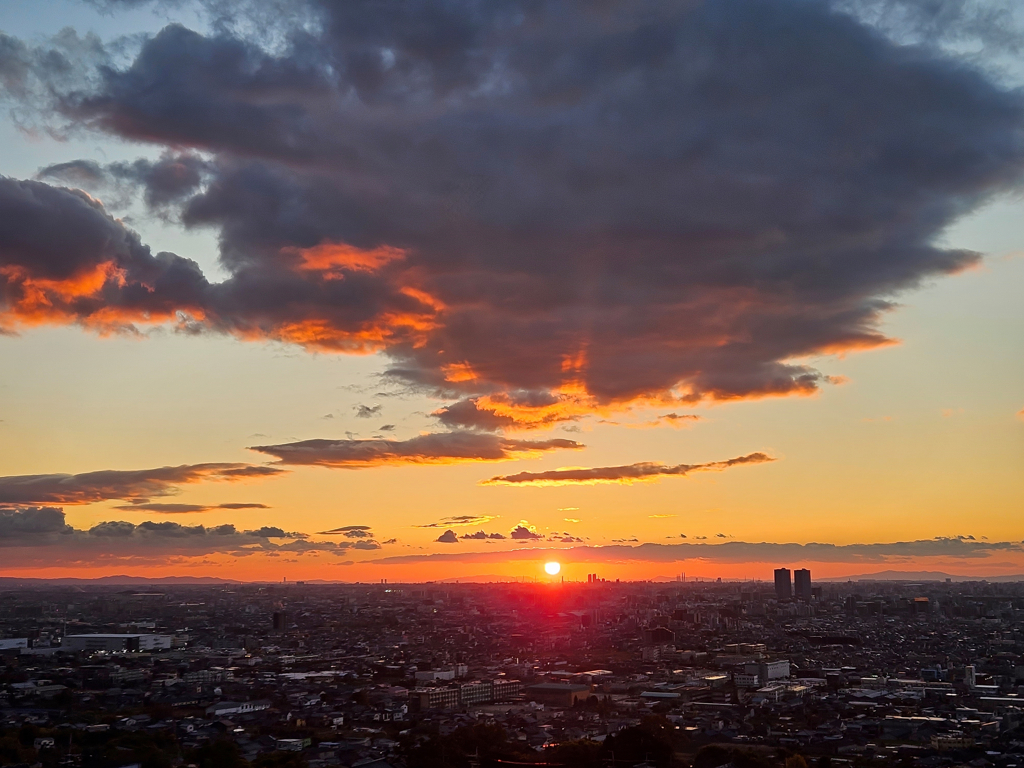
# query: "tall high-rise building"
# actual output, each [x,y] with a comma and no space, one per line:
[802,584]
[783,584]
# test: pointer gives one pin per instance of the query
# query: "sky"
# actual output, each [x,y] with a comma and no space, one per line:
[418,290]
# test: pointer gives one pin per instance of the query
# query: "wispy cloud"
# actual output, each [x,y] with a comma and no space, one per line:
[103,485]
[677,420]
[184,509]
[367,411]
[349,532]
[624,474]
[456,521]
[435,448]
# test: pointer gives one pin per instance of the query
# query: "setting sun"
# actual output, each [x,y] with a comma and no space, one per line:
[552,568]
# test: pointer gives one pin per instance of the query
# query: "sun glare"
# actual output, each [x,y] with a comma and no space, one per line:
[552,568]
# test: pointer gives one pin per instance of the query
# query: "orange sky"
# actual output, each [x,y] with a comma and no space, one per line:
[444,322]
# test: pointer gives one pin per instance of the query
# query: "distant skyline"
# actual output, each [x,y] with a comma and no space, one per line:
[355,291]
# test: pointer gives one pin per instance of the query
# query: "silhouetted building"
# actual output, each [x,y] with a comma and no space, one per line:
[659,636]
[280,621]
[558,694]
[783,584]
[802,584]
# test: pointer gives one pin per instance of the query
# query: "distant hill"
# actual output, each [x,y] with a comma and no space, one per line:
[18,581]
[921,576]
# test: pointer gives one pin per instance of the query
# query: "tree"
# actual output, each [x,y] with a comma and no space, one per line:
[651,742]
[575,754]
[219,754]
[711,756]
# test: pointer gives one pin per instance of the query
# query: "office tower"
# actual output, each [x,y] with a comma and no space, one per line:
[783,584]
[802,584]
[280,621]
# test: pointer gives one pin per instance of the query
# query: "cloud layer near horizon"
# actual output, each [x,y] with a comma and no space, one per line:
[139,484]
[40,536]
[539,209]
[624,475]
[436,448]
[956,548]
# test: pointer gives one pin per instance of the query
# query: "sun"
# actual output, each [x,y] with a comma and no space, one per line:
[552,568]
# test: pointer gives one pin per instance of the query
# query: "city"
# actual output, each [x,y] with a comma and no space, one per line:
[578,674]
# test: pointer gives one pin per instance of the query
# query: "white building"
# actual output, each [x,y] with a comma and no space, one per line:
[237,707]
[768,670]
[745,680]
[116,643]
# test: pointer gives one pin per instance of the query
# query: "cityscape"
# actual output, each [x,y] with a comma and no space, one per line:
[593,673]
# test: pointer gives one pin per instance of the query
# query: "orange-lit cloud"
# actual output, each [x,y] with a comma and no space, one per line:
[568,402]
[142,484]
[486,239]
[625,474]
[333,260]
[436,448]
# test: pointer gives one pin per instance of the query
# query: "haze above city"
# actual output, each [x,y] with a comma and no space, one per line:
[426,291]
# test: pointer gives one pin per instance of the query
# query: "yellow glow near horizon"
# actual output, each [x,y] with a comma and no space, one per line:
[552,568]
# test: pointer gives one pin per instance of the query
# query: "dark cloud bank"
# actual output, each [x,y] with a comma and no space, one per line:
[33,536]
[542,208]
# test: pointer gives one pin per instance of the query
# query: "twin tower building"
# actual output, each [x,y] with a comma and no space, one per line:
[800,584]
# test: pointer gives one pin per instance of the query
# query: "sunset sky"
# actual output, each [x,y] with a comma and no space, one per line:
[420,290]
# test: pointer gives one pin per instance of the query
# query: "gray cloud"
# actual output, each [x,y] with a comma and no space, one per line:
[182,509]
[85,174]
[162,183]
[456,521]
[436,448]
[32,521]
[629,473]
[522,533]
[35,536]
[481,535]
[590,203]
[448,537]
[141,484]
[350,532]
